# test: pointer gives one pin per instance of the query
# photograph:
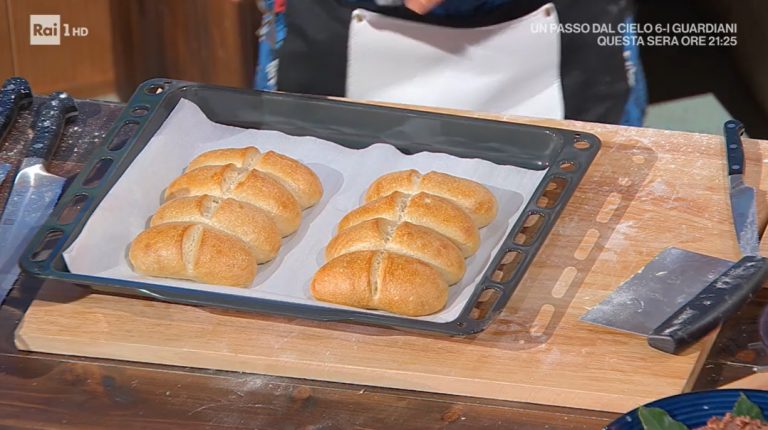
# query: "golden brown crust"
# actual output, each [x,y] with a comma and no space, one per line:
[444,217]
[471,196]
[426,210]
[240,157]
[239,219]
[381,280]
[193,251]
[345,280]
[260,190]
[388,207]
[406,239]
[249,186]
[434,249]
[204,180]
[299,179]
[369,235]
[405,181]
[408,286]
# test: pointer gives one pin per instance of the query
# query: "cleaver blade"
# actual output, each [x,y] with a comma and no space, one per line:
[664,285]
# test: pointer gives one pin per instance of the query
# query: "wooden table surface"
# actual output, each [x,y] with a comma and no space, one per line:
[48,391]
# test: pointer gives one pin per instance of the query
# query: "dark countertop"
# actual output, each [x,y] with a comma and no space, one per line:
[47,391]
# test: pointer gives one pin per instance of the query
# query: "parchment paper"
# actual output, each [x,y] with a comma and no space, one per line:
[101,248]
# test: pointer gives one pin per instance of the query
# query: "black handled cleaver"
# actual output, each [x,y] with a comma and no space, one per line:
[727,293]
[35,191]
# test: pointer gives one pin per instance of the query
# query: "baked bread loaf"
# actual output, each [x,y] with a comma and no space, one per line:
[225,215]
[249,186]
[401,250]
[242,220]
[193,251]
[426,210]
[381,280]
[405,239]
[299,179]
[474,198]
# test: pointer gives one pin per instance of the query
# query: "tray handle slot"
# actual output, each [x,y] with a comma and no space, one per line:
[485,302]
[580,143]
[568,166]
[97,173]
[154,89]
[552,193]
[507,266]
[528,234]
[51,241]
[73,208]
[140,110]
[123,135]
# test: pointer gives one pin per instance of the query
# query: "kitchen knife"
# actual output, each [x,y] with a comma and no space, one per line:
[15,95]
[35,191]
[727,293]
[743,206]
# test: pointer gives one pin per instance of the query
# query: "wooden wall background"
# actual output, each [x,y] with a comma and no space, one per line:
[84,66]
[129,41]
[211,41]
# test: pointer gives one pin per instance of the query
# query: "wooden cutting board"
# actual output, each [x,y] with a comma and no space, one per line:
[647,190]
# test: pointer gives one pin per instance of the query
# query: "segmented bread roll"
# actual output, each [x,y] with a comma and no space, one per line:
[474,198]
[426,210]
[406,239]
[193,251]
[299,179]
[225,215]
[249,186]
[381,280]
[237,218]
[401,250]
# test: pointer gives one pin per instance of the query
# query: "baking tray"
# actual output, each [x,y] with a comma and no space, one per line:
[567,154]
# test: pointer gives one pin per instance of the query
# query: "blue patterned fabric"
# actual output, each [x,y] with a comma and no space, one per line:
[634,110]
[271,36]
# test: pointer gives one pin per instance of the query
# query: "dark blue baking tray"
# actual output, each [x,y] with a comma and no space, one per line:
[566,153]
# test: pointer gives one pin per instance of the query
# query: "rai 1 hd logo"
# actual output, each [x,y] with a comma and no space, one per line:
[48,30]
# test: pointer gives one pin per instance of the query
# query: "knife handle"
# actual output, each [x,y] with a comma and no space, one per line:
[15,95]
[733,130]
[51,117]
[725,295]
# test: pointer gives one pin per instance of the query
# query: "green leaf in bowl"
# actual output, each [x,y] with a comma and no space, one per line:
[658,419]
[745,408]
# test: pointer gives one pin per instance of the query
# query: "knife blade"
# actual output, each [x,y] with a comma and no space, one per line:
[35,191]
[727,293]
[742,196]
[15,95]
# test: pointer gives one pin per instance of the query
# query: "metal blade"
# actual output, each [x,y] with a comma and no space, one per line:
[663,286]
[34,195]
[4,169]
[744,215]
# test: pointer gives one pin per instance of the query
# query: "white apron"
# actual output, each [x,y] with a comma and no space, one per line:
[508,68]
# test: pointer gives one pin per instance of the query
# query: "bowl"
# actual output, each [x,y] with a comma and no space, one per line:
[693,409]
